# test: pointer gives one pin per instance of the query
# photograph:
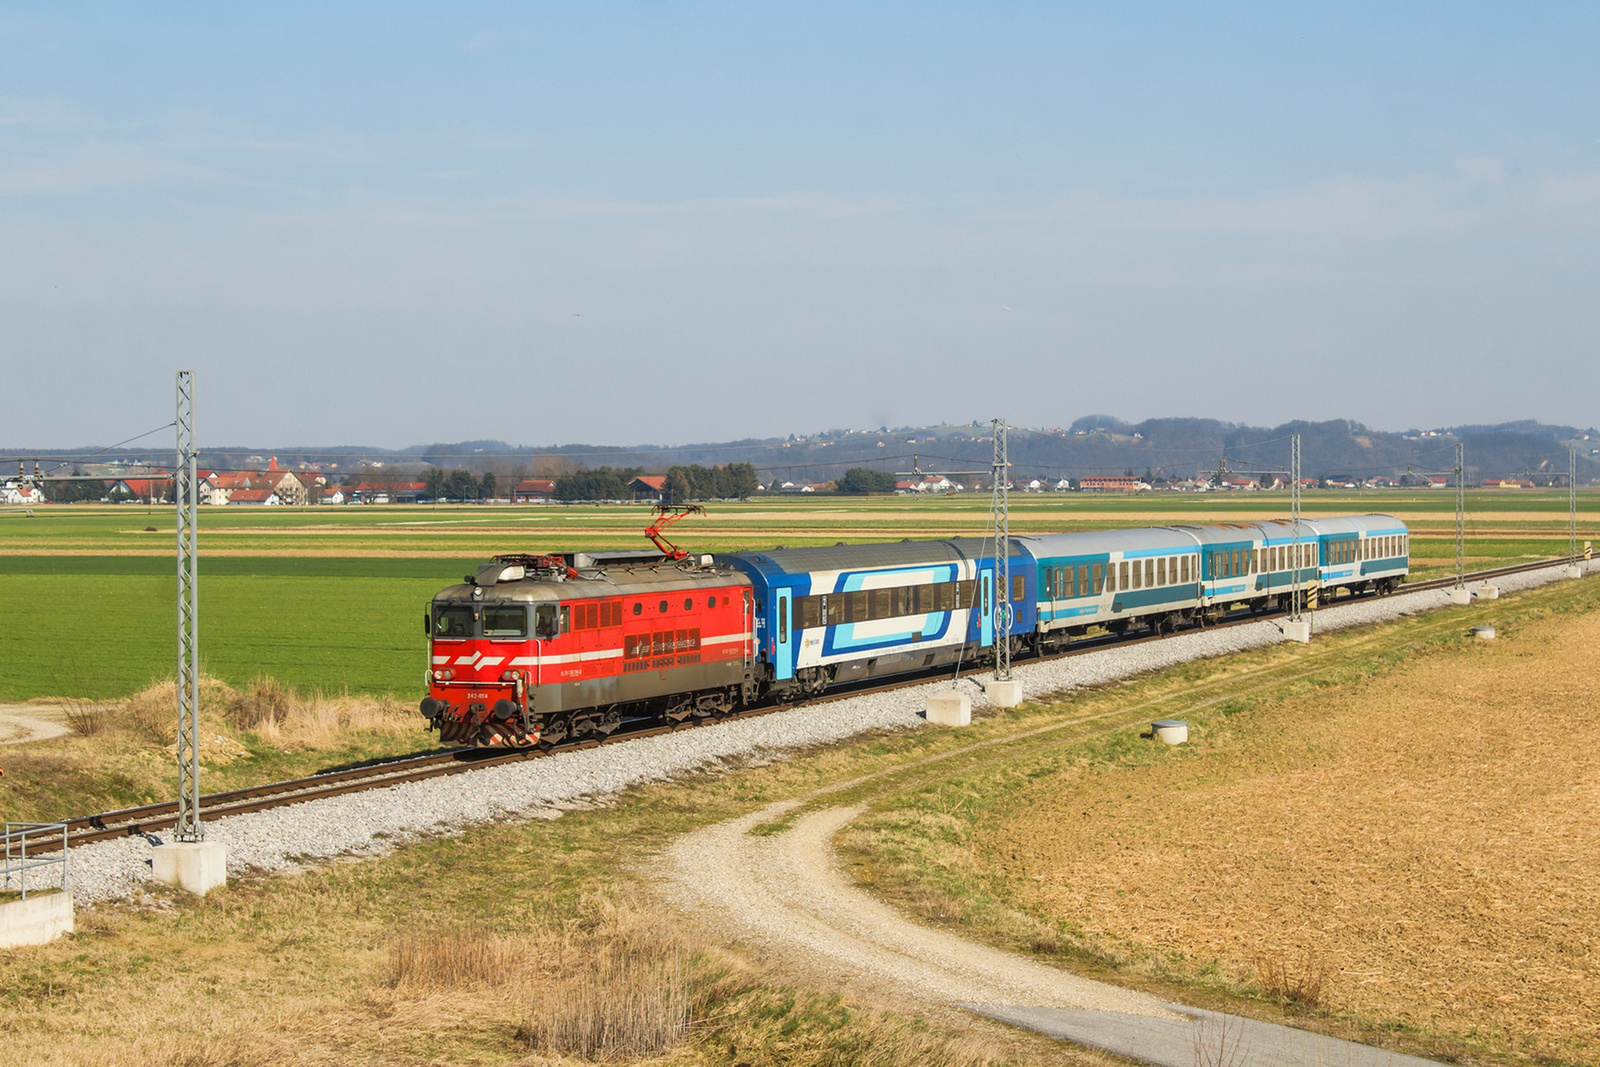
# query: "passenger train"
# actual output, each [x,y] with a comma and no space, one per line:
[536,649]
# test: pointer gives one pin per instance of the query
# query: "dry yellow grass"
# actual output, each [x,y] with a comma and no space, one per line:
[279,715]
[1423,847]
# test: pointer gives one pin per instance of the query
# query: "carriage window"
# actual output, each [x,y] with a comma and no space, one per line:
[452,624]
[834,608]
[1149,573]
[505,622]
[1138,575]
[1019,589]
[808,612]
[1099,578]
[1161,572]
[925,599]
[1122,575]
[858,609]
[1185,568]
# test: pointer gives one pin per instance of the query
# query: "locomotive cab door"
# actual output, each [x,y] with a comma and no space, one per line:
[749,639]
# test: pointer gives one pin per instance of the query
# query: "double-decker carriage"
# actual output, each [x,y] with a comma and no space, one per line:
[542,648]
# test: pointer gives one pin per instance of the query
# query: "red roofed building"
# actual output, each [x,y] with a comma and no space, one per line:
[533,489]
[260,497]
[649,487]
[1110,483]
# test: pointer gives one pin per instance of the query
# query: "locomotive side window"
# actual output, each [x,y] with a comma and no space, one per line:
[638,607]
[544,621]
[452,624]
[663,605]
[505,622]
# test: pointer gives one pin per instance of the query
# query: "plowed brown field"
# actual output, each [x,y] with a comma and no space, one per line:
[1431,838]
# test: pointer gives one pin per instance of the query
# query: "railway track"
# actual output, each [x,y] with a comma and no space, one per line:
[129,822]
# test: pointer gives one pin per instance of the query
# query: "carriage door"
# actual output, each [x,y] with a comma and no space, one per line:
[782,660]
[986,638]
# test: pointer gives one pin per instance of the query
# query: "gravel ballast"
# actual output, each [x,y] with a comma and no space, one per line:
[375,822]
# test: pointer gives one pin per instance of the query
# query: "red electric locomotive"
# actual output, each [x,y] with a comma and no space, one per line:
[541,648]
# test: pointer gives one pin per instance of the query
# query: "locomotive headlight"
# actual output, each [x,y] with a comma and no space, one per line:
[443,676]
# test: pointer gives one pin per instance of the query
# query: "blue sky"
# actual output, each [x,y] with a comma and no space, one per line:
[627,223]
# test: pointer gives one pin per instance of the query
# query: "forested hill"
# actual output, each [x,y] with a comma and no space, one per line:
[1095,444]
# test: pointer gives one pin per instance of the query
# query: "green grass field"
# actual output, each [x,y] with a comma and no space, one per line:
[331,598]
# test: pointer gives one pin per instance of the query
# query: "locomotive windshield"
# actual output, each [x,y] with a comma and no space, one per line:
[452,623]
[505,622]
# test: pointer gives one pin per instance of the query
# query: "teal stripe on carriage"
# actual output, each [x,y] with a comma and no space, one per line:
[1133,599]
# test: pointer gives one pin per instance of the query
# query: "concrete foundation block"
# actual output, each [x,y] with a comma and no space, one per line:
[1488,592]
[38,920]
[1003,694]
[950,708]
[1574,571]
[1460,596]
[1171,731]
[198,866]
[1297,631]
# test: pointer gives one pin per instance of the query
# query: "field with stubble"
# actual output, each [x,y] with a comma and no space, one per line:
[1423,845]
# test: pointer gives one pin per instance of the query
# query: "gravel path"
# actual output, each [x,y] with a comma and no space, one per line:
[21,723]
[375,822]
[785,892]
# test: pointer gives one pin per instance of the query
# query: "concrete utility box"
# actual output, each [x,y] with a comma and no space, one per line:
[950,709]
[1297,631]
[1003,694]
[1488,592]
[1172,731]
[1460,596]
[37,920]
[198,866]
[1574,571]
[1485,633]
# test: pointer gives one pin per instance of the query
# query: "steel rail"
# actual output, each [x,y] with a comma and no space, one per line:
[129,822]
